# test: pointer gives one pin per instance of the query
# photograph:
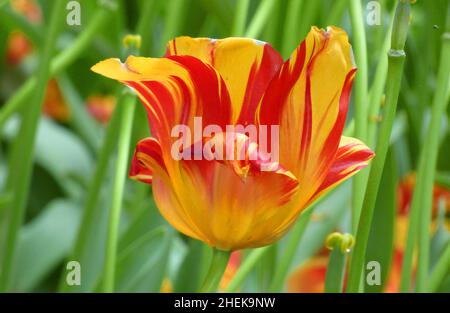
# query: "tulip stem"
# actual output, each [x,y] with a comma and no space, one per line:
[93,192]
[421,201]
[335,272]
[427,165]
[377,89]
[340,245]
[21,157]
[396,58]
[128,104]
[217,268]
[441,269]
[361,92]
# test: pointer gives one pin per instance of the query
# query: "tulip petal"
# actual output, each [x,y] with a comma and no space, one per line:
[351,157]
[246,65]
[173,90]
[309,99]
[226,206]
[147,159]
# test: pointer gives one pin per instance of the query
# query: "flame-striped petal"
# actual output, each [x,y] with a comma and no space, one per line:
[352,155]
[246,65]
[226,207]
[147,159]
[173,90]
[309,99]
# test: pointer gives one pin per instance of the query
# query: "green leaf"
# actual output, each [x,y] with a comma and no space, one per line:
[44,243]
[60,152]
[142,266]
[147,219]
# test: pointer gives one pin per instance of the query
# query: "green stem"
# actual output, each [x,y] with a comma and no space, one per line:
[377,89]
[60,62]
[285,263]
[429,154]
[419,203]
[21,166]
[360,91]
[396,58]
[93,192]
[128,103]
[441,269]
[340,245]
[217,268]
[335,271]
[260,18]
[240,18]
[407,263]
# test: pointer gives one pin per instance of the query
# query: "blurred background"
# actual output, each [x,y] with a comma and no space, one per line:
[66,206]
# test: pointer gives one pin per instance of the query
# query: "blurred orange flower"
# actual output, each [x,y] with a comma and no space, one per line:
[101,107]
[230,270]
[236,204]
[18,45]
[18,48]
[54,104]
[28,8]
[406,190]
[310,276]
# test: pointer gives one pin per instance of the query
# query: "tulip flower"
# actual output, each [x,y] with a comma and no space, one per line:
[18,48]
[54,104]
[101,107]
[231,269]
[310,276]
[405,193]
[252,201]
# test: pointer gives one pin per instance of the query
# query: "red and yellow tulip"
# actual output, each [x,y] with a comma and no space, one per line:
[235,81]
